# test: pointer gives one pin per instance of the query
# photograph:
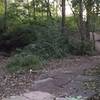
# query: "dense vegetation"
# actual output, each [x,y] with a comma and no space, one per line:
[37,30]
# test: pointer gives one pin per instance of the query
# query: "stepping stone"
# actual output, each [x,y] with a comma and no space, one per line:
[60,98]
[16,98]
[45,85]
[39,96]
[33,96]
[62,79]
[43,81]
[54,84]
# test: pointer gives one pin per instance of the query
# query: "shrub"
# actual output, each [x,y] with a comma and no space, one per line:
[17,37]
[77,47]
[24,61]
[49,45]
[71,23]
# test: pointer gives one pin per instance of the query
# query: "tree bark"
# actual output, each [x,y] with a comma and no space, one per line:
[88,26]
[5,15]
[34,10]
[48,8]
[63,16]
[81,29]
[28,8]
[81,20]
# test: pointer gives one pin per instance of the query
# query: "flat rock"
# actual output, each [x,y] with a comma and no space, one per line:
[16,98]
[37,95]
[43,81]
[46,85]
[43,76]
[60,98]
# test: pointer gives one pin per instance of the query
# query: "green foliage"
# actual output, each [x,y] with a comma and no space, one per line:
[71,23]
[18,36]
[77,47]
[87,48]
[50,42]
[24,61]
[49,49]
[38,35]
[95,23]
[24,34]
[1,7]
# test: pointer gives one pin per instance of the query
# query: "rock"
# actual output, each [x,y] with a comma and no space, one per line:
[32,96]
[45,85]
[16,98]
[60,98]
[39,96]
[43,76]
[43,81]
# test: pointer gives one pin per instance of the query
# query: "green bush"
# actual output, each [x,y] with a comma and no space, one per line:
[71,23]
[45,41]
[17,37]
[24,61]
[76,47]
[49,45]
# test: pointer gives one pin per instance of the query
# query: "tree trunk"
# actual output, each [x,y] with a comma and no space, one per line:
[28,8]
[34,10]
[88,26]
[81,20]
[63,16]
[42,10]
[89,6]
[56,8]
[97,9]
[48,8]
[81,29]
[5,15]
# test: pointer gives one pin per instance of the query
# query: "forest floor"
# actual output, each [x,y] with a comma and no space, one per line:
[75,76]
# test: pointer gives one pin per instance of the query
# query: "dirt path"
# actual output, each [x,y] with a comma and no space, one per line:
[71,77]
[60,77]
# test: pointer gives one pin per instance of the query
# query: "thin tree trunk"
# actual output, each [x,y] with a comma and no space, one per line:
[89,8]
[97,9]
[34,10]
[48,8]
[88,26]
[5,15]
[42,10]
[93,29]
[81,19]
[81,26]
[63,16]
[56,8]
[28,8]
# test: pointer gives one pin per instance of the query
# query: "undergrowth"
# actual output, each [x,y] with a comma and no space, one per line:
[24,61]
